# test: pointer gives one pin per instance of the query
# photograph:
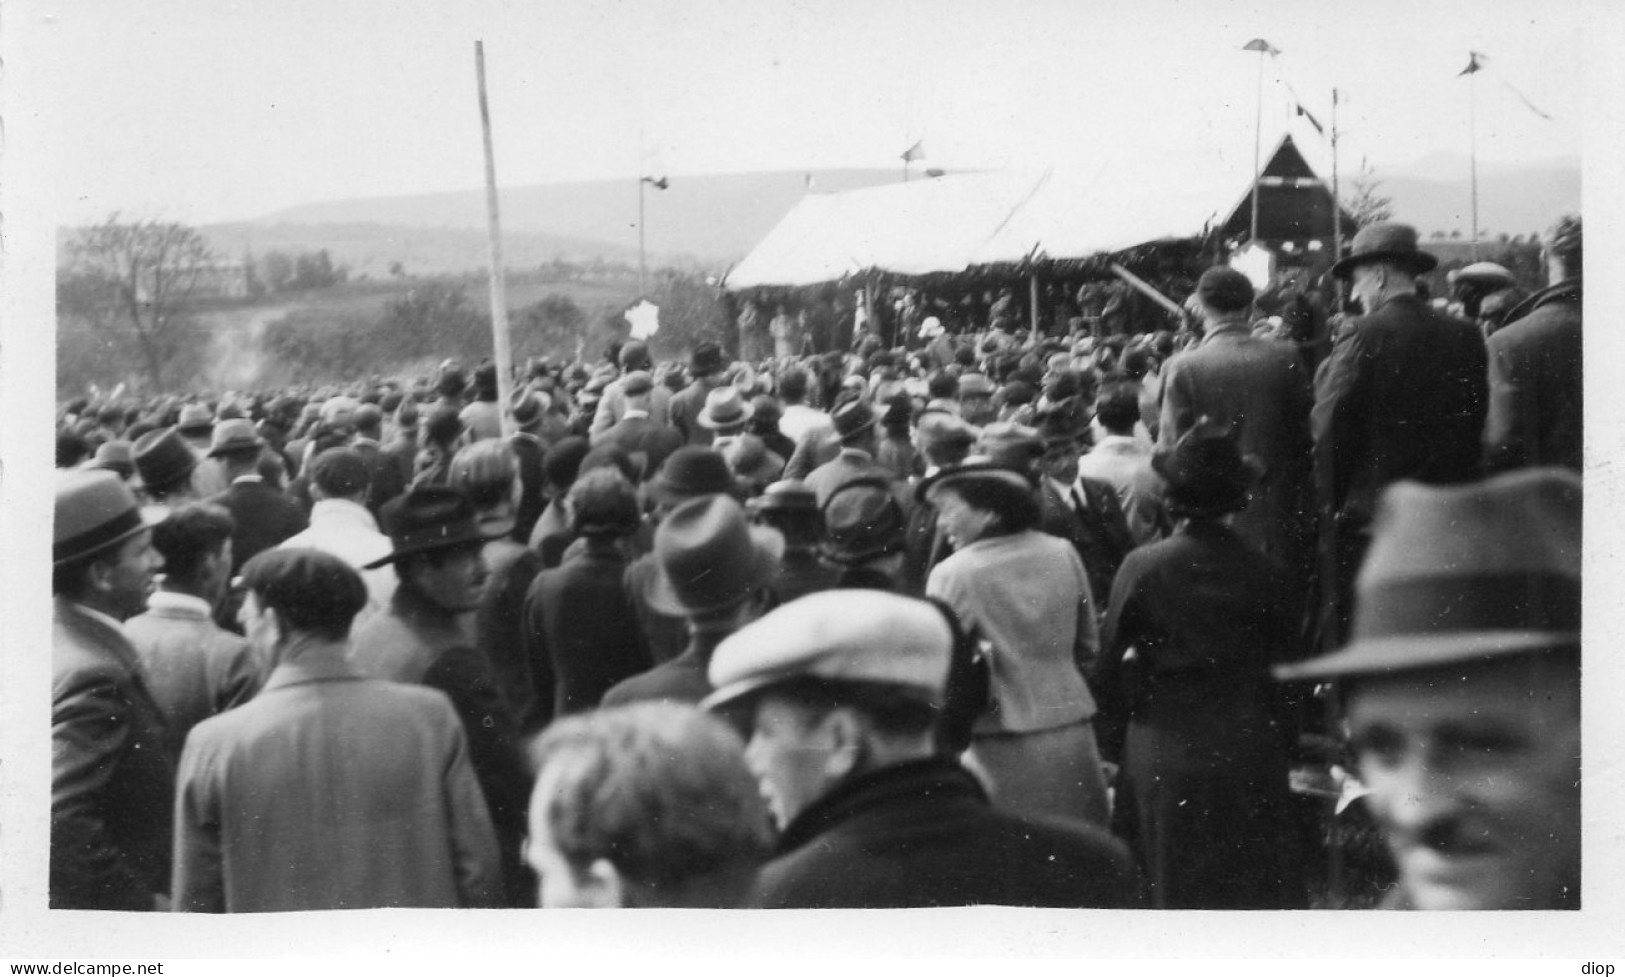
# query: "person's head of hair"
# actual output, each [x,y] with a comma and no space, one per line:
[563,463]
[443,426]
[339,473]
[487,470]
[188,536]
[649,804]
[635,356]
[406,415]
[1224,290]
[485,382]
[793,385]
[450,382]
[602,503]
[310,591]
[1118,407]
[942,385]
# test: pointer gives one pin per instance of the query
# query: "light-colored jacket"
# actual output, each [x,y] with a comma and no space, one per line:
[195,668]
[331,791]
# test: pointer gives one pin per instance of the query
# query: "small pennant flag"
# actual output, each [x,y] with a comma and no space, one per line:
[1475,63]
[1259,44]
[914,152]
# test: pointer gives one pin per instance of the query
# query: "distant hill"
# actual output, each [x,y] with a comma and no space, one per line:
[710,222]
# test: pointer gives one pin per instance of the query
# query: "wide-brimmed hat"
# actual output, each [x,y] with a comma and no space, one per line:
[862,521]
[162,458]
[429,517]
[751,462]
[786,495]
[238,434]
[1463,572]
[1385,241]
[977,467]
[94,510]
[114,456]
[1205,471]
[691,471]
[853,417]
[195,419]
[710,557]
[845,635]
[725,407]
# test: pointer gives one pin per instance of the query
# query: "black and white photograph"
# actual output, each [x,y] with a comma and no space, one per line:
[866,478]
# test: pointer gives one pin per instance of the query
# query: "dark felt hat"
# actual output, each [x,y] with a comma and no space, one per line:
[862,521]
[114,456]
[429,517]
[706,360]
[237,434]
[690,471]
[787,495]
[709,557]
[1385,241]
[162,458]
[1463,573]
[725,407]
[853,417]
[1205,471]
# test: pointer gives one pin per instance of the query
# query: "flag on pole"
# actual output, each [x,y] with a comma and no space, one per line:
[1475,62]
[914,152]
[1259,44]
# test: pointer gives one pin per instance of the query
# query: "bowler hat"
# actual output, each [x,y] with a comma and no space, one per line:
[429,517]
[725,407]
[709,557]
[751,462]
[238,434]
[162,458]
[843,635]
[94,510]
[1463,572]
[862,521]
[690,471]
[1205,471]
[1390,242]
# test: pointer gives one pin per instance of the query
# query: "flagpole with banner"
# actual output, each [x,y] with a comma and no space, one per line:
[1474,65]
[1263,47]
[499,289]
[1337,196]
[912,153]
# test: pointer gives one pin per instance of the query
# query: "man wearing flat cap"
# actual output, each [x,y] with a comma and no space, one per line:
[840,696]
[329,790]
[1461,690]
[111,775]
[1402,396]
[426,637]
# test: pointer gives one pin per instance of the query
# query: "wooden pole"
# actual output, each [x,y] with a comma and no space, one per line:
[499,290]
[1146,287]
[1032,296]
[1258,136]
[1472,151]
[1337,197]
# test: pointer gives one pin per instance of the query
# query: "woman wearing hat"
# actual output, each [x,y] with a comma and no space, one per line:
[1192,714]
[1027,594]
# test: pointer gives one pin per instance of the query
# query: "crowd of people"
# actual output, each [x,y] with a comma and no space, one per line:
[979,619]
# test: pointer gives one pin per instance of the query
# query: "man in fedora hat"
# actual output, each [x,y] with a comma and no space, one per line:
[1402,395]
[1461,690]
[265,516]
[714,570]
[112,779]
[841,697]
[855,422]
[633,358]
[648,441]
[864,534]
[163,470]
[329,790]
[706,365]
[791,508]
[426,636]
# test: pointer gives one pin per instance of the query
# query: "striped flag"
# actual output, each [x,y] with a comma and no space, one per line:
[914,152]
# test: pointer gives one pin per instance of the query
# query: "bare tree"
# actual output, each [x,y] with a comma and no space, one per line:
[138,278]
[1365,203]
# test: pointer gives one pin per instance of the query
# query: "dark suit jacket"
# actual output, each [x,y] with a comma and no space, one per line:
[1096,528]
[1536,414]
[923,834]
[1402,396]
[112,778]
[265,517]
[581,633]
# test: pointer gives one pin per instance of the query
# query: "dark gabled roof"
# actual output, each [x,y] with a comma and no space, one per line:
[1294,204]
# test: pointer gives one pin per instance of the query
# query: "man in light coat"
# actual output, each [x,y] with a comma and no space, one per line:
[329,790]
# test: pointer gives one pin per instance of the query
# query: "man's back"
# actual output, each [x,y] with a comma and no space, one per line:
[194,667]
[1537,410]
[1403,395]
[329,791]
[264,516]
[923,834]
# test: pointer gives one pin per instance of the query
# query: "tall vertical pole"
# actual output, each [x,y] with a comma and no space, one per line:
[642,261]
[1258,136]
[1032,295]
[1337,196]
[499,290]
[1472,151]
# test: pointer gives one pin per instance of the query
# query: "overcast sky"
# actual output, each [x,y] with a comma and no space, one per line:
[204,111]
